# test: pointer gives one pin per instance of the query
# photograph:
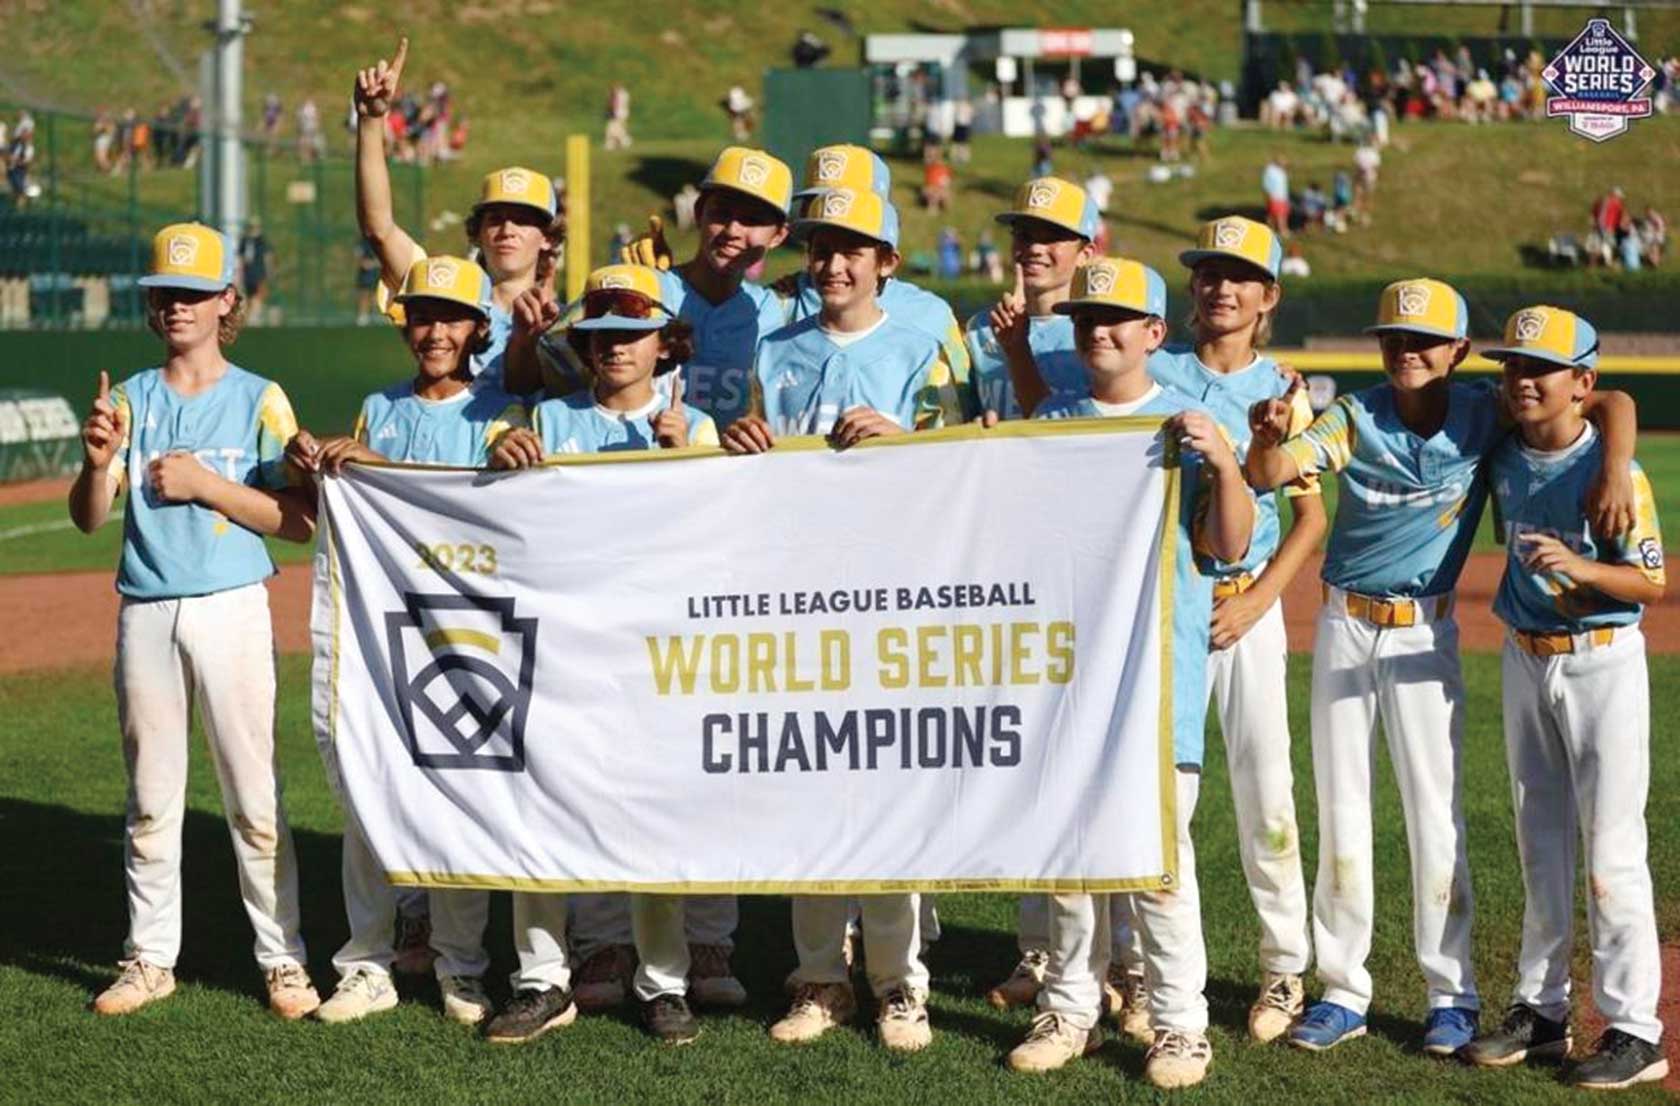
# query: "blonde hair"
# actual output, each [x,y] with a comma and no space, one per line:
[1262,334]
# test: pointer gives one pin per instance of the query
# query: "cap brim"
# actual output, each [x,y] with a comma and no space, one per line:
[1499,353]
[1191,258]
[619,322]
[412,297]
[716,186]
[538,208]
[1009,217]
[802,229]
[1068,307]
[175,280]
[1413,328]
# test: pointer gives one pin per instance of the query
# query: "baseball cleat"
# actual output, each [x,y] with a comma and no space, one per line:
[531,1012]
[602,979]
[1620,1060]
[140,983]
[1178,1058]
[1052,1043]
[1282,998]
[817,1008]
[1524,1035]
[1135,1021]
[1023,984]
[711,981]
[1448,1029]
[1326,1025]
[669,1020]
[290,993]
[358,994]
[902,1021]
[464,998]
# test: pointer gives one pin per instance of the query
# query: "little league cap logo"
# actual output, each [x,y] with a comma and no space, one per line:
[182,251]
[440,273]
[1229,234]
[616,280]
[1598,79]
[461,669]
[754,171]
[837,204]
[1043,194]
[1411,300]
[831,165]
[1529,325]
[1099,280]
[515,182]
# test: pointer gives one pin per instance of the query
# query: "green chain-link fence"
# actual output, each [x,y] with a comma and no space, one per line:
[76,225]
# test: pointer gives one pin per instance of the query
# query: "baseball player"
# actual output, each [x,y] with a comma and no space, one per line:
[1021,349]
[632,336]
[199,443]
[1234,294]
[1410,454]
[441,417]
[1577,713]
[861,170]
[1118,308]
[852,372]
[511,229]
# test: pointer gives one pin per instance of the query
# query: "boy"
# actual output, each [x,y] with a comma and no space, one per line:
[1577,713]
[199,443]
[1117,307]
[441,417]
[1410,452]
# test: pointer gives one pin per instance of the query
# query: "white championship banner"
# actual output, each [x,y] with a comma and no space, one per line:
[938,661]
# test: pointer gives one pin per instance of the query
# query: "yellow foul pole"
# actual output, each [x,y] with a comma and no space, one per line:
[577,214]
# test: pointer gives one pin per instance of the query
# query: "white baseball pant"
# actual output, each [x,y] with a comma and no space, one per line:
[1577,739]
[1168,925]
[1408,677]
[892,940]
[1247,684]
[217,650]
[1032,928]
[603,919]
[539,940]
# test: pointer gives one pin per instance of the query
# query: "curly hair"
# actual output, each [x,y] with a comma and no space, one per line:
[554,240]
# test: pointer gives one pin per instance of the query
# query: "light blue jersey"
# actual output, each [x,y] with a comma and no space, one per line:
[238,429]
[400,426]
[718,378]
[804,379]
[1051,340]
[923,310]
[577,424]
[1229,396]
[1546,493]
[1192,588]
[488,365]
[1409,507]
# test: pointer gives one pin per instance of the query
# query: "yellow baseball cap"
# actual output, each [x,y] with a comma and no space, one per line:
[190,255]
[632,300]
[1057,202]
[1116,282]
[853,167]
[517,185]
[1422,306]
[752,173]
[865,213]
[1243,239]
[1549,333]
[451,279]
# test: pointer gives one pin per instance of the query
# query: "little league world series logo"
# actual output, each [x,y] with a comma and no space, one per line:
[1598,79]
[1412,299]
[461,668]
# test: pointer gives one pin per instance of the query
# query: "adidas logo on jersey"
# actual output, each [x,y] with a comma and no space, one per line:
[385,432]
[1412,299]
[1529,325]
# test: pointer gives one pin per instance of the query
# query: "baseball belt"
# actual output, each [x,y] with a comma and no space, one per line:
[1392,613]
[1232,585]
[1556,645]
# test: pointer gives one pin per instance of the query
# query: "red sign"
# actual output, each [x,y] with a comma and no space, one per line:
[1064,42]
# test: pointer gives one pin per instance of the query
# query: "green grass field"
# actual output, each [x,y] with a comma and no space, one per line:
[61,800]
[38,537]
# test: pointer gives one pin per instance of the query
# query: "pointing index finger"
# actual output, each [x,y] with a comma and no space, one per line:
[399,58]
[1020,282]
[677,391]
[104,385]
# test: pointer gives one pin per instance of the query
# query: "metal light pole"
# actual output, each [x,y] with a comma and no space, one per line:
[228,194]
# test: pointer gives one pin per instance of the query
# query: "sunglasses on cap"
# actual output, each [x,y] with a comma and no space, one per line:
[621,302]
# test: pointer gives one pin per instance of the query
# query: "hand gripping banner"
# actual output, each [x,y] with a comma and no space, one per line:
[938,661]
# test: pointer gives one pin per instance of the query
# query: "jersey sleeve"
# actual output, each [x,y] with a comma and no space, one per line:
[701,429]
[360,431]
[1325,445]
[276,427]
[511,417]
[937,401]
[955,344]
[1642,546]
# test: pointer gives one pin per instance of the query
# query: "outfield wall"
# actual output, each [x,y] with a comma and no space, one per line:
[328,370]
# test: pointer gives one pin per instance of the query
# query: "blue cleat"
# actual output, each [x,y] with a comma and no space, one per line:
[1448,1029]
[1326,1025]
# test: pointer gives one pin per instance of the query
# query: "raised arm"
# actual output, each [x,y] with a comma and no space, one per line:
[376,89]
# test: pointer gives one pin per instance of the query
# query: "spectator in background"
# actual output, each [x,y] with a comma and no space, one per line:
[457,144]
[738,105]
[620,239]
[1294,262]
[1199,121]
[192,133]
[104,136]
[1314,203]
[1042,165]
[1630,245]
[617,135]
[1341,202]
[683,204]
[1100,188]
[1071,93]
[1480,96]
[140,140]
[987,259]
[1607,213]
[950,254]
[1653,231]
[1367,162]
[256,256]
[271,113]
[311,143]
[20,158]
[1274,184]
[962,131]
[1281,108]
[936,184]
[808,50]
